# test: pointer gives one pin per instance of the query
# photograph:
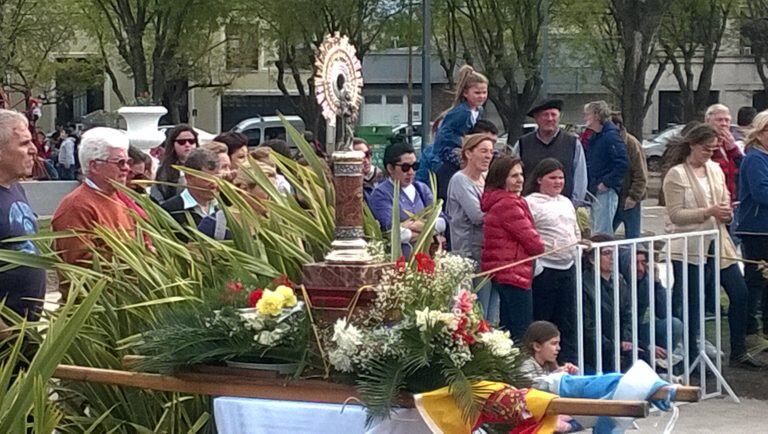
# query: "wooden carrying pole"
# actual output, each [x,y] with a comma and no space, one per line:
[322,391]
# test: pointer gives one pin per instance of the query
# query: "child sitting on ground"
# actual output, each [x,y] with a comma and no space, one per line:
[542,341]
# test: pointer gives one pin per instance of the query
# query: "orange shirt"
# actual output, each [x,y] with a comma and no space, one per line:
[83,209]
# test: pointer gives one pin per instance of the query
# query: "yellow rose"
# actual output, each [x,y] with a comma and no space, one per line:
[271,303]
[288,295]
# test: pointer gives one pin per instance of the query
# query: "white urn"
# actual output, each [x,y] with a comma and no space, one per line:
[141,124]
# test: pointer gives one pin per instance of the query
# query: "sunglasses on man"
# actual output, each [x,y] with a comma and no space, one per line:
[406,167]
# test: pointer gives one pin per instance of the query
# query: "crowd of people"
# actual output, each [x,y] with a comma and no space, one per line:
[502,209]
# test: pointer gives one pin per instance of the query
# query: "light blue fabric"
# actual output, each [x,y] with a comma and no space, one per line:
[191,203]
[603,210]
[639,383]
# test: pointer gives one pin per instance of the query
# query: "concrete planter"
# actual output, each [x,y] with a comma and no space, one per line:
[141,124]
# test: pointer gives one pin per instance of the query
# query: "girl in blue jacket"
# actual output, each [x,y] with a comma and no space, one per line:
[467,108]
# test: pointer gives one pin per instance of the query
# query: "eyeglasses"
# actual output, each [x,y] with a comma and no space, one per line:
[406,167]
[119,163]
[186,141]
[368,154]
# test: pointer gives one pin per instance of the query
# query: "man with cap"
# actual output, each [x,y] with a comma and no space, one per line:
[551,141]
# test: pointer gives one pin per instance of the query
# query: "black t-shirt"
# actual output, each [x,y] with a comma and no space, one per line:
[17,220]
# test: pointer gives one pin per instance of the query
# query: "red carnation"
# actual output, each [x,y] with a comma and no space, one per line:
[461,332]
[424,264]
[400,264]
[254,297]
[483,327]
[234,286]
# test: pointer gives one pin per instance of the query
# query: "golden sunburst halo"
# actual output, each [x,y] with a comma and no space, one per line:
[338,69]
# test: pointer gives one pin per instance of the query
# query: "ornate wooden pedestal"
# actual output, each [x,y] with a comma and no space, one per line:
[334,282]
[334,285]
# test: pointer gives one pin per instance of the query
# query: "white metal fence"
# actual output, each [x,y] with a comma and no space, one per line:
[660,268]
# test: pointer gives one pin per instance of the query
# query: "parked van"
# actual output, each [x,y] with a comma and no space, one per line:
[263,128]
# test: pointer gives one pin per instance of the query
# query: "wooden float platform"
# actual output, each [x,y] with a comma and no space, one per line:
[244,383]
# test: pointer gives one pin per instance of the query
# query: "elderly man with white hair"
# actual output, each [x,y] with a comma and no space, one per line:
[104,161]
[728,155]
[22,288]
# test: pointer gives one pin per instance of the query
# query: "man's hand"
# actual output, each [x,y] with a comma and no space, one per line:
[727,138]
[441,241]
[629,203]
[661,353]
[627,346]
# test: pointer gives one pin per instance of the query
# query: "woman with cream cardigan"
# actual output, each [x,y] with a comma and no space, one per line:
[697,200]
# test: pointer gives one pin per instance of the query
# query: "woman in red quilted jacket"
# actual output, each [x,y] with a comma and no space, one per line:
[509,235]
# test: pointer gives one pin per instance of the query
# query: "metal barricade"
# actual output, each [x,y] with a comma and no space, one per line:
[665,277]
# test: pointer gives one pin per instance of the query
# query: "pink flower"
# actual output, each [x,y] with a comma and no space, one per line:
[234,286]
[464,301]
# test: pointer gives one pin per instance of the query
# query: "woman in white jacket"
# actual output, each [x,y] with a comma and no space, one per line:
[554,286]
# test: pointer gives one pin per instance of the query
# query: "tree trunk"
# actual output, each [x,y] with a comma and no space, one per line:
[638,24]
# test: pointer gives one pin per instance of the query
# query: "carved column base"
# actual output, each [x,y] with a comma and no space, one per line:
[349,247]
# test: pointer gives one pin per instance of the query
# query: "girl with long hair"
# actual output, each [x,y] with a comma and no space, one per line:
[697,199]
[554,284]
[509,235]
[177,146]
[467,108]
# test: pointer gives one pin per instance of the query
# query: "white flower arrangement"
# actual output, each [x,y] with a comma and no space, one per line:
[499,342]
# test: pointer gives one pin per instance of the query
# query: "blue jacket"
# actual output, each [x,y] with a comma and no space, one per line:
[457,122]
[422,175]
[380,203]
[753,192]
[606,159]
[383,195]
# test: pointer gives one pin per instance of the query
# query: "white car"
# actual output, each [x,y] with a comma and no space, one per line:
[416,139]
[654,148]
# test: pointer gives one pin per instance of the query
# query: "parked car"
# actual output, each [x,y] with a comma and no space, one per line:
[263,128]
[416,139]
[654,148]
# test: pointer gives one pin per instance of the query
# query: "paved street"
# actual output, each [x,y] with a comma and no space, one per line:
[712,416]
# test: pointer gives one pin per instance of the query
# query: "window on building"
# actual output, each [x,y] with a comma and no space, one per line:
[394,99]
[243,49]
[372,99]
[671,107]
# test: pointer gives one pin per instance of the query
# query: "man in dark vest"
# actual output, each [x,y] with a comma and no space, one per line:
[550,141]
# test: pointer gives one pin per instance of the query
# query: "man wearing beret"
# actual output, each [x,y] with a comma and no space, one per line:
[550,141]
